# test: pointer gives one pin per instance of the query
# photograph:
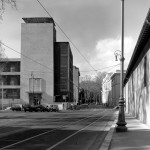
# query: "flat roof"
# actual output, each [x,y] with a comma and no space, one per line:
[10,59]
[39,20]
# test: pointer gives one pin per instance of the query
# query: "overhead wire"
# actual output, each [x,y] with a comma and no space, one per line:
[26,56]
[67,37]
[101,68]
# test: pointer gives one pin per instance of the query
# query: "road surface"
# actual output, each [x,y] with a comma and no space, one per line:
[64,130]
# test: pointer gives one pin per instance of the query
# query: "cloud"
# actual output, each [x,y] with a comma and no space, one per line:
[104,53]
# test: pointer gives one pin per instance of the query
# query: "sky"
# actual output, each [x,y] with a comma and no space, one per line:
[94,27]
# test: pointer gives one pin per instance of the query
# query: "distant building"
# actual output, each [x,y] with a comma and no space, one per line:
[10,82]
[137,79]
[63,72]
[115,88]
[76,75]
[106,89]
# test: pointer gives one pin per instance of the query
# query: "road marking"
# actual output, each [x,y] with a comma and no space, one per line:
[47,132]
[73,134]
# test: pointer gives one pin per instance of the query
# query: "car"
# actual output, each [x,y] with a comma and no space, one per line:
[54,108]
[39,108]
[46,107]
[16,107]
[27,107]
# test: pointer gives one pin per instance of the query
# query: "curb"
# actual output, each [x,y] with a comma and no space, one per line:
[106,143]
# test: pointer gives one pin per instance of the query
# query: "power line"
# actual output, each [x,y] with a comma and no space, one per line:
[47,66]
[26,56]
[67,37]
[102,68]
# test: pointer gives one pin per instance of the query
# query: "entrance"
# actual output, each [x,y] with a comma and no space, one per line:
[35,98]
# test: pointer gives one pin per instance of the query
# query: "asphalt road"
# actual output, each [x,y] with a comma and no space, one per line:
[65,130]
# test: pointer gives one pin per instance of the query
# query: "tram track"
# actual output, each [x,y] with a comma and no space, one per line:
[32,134]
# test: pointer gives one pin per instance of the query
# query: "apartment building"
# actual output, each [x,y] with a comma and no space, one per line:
[9,82]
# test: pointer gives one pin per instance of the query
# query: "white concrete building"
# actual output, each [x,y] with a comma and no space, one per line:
[37,62]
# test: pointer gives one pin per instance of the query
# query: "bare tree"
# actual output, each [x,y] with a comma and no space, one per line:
[93,86]
[3,3]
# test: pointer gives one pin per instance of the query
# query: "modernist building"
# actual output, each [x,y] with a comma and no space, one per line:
[63,72]
[38,36]
[9,82]
[76,75]
[137,79]
[44,74]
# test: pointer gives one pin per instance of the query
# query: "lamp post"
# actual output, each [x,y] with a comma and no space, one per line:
[121,124]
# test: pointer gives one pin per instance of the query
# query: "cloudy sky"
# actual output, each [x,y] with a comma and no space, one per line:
[94,26]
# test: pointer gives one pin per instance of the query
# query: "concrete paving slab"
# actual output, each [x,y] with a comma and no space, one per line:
[136,138]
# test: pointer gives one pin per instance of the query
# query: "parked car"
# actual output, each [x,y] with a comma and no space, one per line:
[27,107]
[54,108]
[36,108]
[17,107]
[39,108]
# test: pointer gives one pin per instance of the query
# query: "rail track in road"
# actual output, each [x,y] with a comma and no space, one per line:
[61,136]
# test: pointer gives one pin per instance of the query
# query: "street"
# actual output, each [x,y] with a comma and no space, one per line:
[64,130]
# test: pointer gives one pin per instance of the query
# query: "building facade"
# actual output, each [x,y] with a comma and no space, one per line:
[37,42]
[44,74]
[106,89]
[63,71]
[137,79]
[9,82]
[76,75]
[115,88]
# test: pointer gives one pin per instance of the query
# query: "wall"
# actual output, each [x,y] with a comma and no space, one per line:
[137,91]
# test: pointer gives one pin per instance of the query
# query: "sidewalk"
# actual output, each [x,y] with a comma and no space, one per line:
[136,138]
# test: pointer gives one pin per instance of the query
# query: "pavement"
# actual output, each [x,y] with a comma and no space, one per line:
[137,136]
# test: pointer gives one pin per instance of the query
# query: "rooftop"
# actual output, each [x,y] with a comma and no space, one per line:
[39,20]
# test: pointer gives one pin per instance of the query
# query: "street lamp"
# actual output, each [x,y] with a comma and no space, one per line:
[117,53]
[121,124]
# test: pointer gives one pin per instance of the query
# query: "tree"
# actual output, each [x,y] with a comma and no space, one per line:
[92,86]
[3,3]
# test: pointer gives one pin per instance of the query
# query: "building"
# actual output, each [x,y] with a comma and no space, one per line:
[137,79]
[106,89]
[9,82]
[37,42]
[44,74]
[115,88]
[63,71]
[76,75]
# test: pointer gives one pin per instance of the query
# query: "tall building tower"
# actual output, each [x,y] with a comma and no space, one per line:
[63,71]
[37,62]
